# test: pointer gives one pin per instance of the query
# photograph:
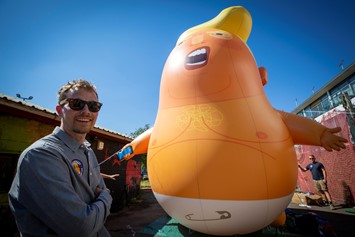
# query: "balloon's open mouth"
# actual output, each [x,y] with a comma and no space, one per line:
[197,58]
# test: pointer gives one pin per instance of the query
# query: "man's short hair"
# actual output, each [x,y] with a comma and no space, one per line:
[80,83]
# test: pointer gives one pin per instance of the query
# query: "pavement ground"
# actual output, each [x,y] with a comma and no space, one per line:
[136,220]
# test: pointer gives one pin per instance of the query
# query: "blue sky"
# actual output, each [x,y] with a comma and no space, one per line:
[121,46]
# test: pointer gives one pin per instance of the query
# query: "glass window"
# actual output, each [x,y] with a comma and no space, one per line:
[326,103]
[300,114]
[330,99]
[316,108]
[308,112]
[336,98]
[352,86]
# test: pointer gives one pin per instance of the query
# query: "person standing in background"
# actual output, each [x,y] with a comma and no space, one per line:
[319,175]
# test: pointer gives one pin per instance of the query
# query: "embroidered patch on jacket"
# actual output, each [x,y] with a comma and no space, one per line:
[78,166]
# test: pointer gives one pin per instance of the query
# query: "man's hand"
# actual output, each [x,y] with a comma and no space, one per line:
[330,141]
[99,190]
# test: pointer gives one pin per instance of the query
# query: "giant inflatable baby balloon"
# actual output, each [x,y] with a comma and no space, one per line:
[221,159]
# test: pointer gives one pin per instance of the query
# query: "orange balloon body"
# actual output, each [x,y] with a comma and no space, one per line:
[217,143]
[221,160]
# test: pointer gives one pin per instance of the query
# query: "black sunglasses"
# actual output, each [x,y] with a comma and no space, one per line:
[78,104]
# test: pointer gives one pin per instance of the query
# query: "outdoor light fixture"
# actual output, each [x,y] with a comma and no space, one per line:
[100,145]
[24,98]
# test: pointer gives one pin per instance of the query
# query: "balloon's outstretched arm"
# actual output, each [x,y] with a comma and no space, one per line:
[309,132]
[139,145]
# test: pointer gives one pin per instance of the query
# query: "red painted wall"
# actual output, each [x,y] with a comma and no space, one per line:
[133,174]
[340,166]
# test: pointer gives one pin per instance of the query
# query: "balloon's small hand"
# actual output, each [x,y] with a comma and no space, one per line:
[128,156]
[330,141]
[125,153]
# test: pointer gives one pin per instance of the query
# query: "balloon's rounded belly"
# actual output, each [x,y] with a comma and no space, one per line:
[214,171]
[222,170]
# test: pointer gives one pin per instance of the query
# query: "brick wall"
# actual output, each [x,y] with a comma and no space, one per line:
[340,166]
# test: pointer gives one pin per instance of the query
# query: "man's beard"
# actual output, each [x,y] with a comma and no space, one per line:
[81,130]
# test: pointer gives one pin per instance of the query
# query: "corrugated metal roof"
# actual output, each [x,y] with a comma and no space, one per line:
[41,111]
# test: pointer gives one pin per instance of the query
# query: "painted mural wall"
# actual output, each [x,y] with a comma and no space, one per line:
[340,166]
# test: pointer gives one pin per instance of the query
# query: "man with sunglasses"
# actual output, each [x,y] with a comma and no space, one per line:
[319,176]
[58,189]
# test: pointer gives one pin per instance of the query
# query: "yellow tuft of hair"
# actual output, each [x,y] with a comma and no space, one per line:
[236,20]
